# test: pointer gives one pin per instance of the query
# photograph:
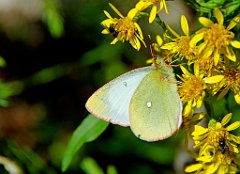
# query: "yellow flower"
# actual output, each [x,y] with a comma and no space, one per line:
[123,29]
[212,161]
[206,65]
[192,89]
[157,6]
[180,45]
[230,81]
[217,39]
[218,149]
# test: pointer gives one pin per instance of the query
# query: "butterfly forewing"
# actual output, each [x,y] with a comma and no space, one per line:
[111,102]
[155,109]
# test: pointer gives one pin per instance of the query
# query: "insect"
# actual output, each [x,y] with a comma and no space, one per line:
[146,99]
[222,145]
[112,30]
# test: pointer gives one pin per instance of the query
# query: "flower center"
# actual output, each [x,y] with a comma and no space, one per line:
[218,36]
[184,48]
[126,29]
[232,76]
[193,87]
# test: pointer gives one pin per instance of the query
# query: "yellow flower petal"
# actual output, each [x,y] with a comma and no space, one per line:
[205,21]
[107,14]
[168,46]
[207,150]
[201,47]
[136,44]
[223,93]
[199,130]
[212,168]
[116,10]
[142,5]
[205,159]
[199,103]
[226,119]
[105,31]
[222,169]
[233,126]
[139,33]
[216,57]
[233,22]
[184,70]
[159,40]
[160,6]
[132,13]
[153,14]
[107,23]
[172,31]
[196,69]
[219,16]
[235,149]
[198,116]
[194,102]
[213,79]
[114,41]
[165,6]
[208,52]
[184,25]
[196,39]
[187,108]
[197,142]
[230,54]
[235,138]
[235,44]
[193,167]
[237,98]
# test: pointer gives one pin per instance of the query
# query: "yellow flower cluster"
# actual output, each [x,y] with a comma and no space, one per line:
[212,68]
[123,29]
[209,52]
[218,149]
[126,28]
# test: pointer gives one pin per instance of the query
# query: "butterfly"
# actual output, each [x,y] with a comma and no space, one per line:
[146,99]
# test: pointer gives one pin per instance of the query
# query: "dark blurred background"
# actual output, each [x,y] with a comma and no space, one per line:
[55,58]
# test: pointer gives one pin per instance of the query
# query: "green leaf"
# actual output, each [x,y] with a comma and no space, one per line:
[90,128]
[8,89]
[2,62]
[89,166]
[47,75]
[26,156]
[52,18]
[111,169]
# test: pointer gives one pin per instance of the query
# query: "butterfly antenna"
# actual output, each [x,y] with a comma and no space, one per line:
[171,63]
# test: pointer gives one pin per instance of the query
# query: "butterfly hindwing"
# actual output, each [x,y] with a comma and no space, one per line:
[155,108]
